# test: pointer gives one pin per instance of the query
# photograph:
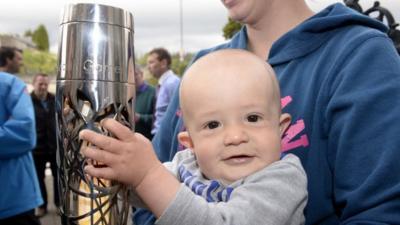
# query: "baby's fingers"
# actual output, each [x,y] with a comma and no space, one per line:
[98,155]
[101,141]
[120,131]
[101,172]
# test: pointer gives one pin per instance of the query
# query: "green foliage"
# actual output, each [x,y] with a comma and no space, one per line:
[142,60]
[28,33]
[179,66]
[39,62]
[231,28]
[39,37]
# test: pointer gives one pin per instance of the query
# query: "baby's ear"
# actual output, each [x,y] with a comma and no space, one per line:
[185,140]
[284,123]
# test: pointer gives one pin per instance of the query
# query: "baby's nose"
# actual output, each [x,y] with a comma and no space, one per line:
[235,135]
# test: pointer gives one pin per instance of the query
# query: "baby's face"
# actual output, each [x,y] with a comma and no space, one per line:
[233,129]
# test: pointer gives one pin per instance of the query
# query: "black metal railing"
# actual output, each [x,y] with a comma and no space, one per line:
[383,15]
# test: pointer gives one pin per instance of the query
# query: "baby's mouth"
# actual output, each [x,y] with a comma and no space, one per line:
[238,159]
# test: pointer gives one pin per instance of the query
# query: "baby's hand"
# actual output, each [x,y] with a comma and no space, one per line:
[128,157]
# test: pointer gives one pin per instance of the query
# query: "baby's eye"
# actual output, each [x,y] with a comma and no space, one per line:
[212,125]
[253,118]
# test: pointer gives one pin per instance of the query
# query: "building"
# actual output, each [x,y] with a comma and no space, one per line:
[16,41]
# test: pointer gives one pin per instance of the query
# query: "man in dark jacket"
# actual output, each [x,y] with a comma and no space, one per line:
[144,104]
[46,147]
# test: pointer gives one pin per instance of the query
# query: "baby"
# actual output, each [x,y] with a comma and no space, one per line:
[231,171]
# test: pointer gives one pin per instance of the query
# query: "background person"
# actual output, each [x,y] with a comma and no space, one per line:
[46,146]
[339,79]
[144,104]
[159,64]
[20,193]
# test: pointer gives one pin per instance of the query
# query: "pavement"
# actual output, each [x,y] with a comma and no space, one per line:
[52,218]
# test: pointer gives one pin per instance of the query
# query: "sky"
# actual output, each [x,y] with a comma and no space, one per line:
[156,22]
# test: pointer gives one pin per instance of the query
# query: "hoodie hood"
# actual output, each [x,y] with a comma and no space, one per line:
[307,36]
[316,30]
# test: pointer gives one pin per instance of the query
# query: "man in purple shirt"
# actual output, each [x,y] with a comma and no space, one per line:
[158,63]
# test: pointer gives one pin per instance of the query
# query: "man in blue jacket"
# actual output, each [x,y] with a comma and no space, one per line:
[20,193]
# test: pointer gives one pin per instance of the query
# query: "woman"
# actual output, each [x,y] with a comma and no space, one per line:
[339,78]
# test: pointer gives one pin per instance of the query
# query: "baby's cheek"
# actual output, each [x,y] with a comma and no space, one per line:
[206,164]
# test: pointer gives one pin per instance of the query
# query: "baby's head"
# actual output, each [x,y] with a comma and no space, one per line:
[230,102]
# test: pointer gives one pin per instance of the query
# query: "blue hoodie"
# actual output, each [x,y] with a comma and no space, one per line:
[19,189]
[340,80]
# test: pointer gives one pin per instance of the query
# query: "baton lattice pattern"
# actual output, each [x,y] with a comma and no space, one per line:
[84,199]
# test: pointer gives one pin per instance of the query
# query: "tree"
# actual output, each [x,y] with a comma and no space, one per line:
[28,33]
[179,66]
[231,28]
[40,37]
[39,62]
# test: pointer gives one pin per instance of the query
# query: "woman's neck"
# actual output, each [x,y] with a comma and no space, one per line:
[280,18]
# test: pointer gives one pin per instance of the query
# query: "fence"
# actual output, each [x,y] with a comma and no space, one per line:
[383,15]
